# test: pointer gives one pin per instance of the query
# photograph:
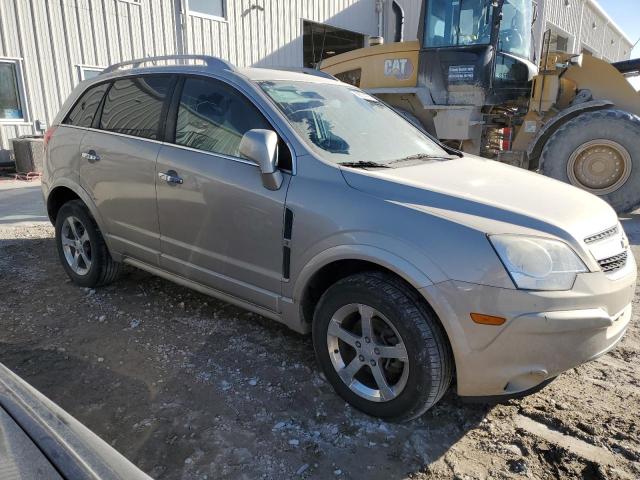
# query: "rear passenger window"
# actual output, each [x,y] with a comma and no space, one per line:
[81,115]
[214,117]
[134,105]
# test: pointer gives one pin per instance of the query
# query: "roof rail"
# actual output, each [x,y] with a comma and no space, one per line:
[210,62]
[307,71]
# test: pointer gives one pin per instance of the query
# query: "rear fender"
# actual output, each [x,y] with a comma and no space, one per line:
[88,201]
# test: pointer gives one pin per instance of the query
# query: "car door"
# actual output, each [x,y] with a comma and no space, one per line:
[118,164]
[64,151]
[219,225]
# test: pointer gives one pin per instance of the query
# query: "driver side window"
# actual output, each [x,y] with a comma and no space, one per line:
[213,117]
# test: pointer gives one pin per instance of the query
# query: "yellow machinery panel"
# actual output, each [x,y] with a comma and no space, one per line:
[605,82]
[394,65]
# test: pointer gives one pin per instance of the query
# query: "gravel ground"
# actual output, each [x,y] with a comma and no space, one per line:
[187,387]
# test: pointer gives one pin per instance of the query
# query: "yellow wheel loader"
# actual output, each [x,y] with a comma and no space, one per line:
[471,80]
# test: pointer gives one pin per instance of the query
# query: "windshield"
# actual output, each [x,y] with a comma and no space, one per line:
[515,28]
[346,125]
[467,22]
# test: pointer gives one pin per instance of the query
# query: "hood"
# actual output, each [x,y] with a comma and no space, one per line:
[489,196]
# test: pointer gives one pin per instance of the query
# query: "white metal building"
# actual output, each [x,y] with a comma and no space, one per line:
[48,46]
[583,26]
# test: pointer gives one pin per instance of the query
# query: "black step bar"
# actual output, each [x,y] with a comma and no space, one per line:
[628,66]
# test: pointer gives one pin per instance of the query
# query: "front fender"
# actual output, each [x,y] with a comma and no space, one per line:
[294,290]
[404,268]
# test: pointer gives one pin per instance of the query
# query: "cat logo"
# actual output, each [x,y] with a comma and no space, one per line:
[401,68]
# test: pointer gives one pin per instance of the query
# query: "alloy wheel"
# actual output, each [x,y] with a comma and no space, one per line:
[367,352]
[76,245]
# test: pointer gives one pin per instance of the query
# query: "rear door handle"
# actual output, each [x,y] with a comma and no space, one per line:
[91,156]
[171,176]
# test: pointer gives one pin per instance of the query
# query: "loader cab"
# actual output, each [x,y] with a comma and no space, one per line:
[477,52]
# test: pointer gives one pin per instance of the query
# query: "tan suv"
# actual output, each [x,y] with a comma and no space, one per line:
[312,203]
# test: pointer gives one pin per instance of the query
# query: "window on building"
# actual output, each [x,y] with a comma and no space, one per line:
[559,43]
[85,72]
[11,107]
[562,43]
[320,41]
[207,8]
[133,106]
[82,113]
[213,117]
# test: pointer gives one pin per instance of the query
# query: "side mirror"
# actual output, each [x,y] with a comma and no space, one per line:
[261,146]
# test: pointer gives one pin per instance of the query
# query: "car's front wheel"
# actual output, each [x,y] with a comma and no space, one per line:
[81,247]
[381,347]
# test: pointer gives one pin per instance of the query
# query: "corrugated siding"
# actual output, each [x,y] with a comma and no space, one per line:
[69,33]
[268,33]
[563,16]
[593,26]
[611,44]
[624,52]
[607,38]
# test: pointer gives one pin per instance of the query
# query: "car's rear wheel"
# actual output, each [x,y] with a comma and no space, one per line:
[381,347]
[81,247]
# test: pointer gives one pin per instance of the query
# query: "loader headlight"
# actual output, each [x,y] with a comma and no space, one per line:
[537,263]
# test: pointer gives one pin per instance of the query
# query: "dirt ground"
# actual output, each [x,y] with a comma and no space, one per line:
[187,387]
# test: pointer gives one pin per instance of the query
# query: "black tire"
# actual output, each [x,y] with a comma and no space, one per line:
[103,268]
[430,359]
[610,124]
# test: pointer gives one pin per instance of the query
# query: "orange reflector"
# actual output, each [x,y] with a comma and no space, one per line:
[487,319]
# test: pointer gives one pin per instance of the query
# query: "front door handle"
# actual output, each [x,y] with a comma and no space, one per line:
[171,176]
[91,156]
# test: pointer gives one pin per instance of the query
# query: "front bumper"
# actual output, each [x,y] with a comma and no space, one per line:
[546,333]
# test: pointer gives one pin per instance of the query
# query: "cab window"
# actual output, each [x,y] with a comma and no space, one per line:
[462,22]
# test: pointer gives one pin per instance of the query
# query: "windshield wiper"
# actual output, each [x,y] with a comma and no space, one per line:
[421,156]
[363,164]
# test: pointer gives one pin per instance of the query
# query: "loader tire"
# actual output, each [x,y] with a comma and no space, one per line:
[598,151]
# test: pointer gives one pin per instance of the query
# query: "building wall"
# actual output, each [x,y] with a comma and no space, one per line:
[272,36]
[51,39]
[587,26]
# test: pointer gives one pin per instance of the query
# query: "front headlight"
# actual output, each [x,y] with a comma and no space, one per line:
[536,263]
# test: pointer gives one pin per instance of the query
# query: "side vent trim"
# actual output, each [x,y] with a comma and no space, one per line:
[286,262]
[288,224]
[286,249]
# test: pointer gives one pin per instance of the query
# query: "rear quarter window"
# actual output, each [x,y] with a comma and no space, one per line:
[83,112]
